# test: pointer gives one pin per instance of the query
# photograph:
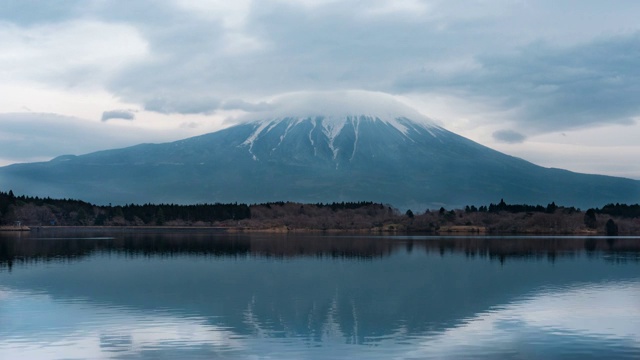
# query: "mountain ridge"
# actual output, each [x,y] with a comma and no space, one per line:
[316,158]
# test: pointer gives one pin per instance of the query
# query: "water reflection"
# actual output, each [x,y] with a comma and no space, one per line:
[81,329]
[56,246]
[208,296]
[589,320]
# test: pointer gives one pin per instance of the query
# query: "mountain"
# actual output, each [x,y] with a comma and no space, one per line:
[338,148]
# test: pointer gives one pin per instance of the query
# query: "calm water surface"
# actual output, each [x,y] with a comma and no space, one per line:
[207,296]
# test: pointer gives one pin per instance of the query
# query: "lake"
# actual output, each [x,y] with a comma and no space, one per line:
[191,295]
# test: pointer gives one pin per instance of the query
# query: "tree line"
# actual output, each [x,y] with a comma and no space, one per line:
[47,211]
[39,211]
[501,217]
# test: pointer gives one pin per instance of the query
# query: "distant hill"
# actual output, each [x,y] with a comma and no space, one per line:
[387,154]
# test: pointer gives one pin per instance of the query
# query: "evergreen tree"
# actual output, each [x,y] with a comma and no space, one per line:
[160,217]
[611,227]
[590,219]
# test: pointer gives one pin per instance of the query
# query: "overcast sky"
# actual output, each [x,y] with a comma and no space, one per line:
[554,82]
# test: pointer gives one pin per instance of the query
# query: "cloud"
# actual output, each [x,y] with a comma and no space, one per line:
[340,103]
[270,47]
[182,105]
[550,88]
[27,13]
[65,55]
[279,47]
[189,125]
[41,136]
[118,114]
[239,104]
[195,57]
[509,136]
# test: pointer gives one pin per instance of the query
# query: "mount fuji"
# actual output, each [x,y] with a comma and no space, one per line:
[317,147]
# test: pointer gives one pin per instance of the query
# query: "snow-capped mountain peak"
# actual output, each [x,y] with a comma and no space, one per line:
[345,146]
[335,114]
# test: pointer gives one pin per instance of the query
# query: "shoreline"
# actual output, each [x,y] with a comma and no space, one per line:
[15,228]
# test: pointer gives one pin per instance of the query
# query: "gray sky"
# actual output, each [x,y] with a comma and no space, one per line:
[554,82]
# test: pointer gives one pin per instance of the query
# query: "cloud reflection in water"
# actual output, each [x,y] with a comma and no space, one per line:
[589,319]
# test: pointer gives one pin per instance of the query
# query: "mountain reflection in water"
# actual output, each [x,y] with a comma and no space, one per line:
[265,296]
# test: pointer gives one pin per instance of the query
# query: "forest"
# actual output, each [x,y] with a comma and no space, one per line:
[365,216]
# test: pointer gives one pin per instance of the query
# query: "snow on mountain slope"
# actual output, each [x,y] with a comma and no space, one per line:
[334,112]
[331,128]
